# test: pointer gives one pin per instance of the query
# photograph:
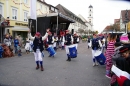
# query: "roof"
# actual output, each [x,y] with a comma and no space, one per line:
[61,18]
[90,6]
[46,3]
[116,21]
[107,28]
[68,13]
[83,19]
[123,15]
[43,2]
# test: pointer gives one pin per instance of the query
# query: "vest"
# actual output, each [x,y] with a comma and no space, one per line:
[50,40]
[95,44]
[68,39]
[38,43]
[75,40]
[55,38]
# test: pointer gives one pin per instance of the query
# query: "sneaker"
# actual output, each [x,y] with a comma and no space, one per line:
[97,64]
[94,64]
[108,76]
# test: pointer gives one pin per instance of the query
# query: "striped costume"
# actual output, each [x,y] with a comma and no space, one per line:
[109,52]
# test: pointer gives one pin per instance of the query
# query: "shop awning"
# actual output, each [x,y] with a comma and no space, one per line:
[18,28]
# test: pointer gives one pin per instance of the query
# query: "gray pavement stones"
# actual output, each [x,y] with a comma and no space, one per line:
[20,71]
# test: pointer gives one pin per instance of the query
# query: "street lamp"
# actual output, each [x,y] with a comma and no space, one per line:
[126,20]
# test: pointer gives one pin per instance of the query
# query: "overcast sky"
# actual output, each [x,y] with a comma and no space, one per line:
[104,11]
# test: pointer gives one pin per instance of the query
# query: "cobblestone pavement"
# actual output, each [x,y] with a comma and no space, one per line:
[20,71]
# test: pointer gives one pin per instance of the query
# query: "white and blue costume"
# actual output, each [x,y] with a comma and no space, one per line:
[38,48]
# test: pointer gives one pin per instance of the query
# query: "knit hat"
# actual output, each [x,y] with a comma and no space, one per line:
[38,34]
[124,37]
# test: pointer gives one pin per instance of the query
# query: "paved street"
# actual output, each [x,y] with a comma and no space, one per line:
[20,71]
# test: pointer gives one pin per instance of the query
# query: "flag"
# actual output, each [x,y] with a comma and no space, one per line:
[33,7]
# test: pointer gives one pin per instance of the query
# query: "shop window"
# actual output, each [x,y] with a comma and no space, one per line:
[14,13]
[25,16]
[26,1]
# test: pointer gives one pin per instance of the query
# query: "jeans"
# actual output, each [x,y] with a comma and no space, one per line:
[16,50]
[19,54]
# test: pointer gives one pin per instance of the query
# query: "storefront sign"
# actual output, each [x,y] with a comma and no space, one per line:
[21,24]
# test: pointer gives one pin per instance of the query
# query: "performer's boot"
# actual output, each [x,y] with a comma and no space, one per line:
[37,62]
[69,58]
[42,69]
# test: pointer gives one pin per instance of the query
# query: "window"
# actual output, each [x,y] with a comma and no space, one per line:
[26,1]
[90,9]
[90,21]
[40,6]
[56,10]
[52,8]
[25,16]
[14,13]
[1,9]
[90,15]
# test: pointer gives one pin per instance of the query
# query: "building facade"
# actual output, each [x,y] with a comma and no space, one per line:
[124,19]
[73,27]
[17,11]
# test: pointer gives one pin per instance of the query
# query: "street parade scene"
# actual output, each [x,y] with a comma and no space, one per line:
[43,44]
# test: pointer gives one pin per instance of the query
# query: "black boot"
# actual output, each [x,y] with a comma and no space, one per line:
[69,58]
[42,69]
[37,67]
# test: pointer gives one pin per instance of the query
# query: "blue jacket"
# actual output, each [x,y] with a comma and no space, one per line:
[16,42]
[1,49]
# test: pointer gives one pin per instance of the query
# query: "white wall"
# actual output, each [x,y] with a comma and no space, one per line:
[77,26]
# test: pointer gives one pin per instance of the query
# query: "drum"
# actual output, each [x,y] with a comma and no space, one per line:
[51,51]
[72,51]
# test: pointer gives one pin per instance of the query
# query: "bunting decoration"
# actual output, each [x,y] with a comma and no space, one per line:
[26,6]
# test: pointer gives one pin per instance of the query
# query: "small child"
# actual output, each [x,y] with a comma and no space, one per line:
[27,46]
[19,50]
[1,51]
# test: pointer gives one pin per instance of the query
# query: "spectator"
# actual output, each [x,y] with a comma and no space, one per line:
[27,46]
[7,41]
[109,52]
[16,43]
[1,51]
[20,40]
